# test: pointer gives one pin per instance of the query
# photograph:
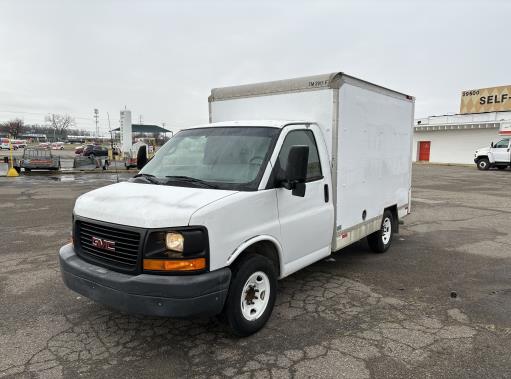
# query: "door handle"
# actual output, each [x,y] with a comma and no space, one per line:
[325,189]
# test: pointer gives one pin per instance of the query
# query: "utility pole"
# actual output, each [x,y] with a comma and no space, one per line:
[96,116]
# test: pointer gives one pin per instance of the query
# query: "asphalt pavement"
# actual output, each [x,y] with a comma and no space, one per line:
[437,304]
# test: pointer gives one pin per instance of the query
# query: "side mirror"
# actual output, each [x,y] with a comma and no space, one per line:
[296,170]
[141,157]
[491,144]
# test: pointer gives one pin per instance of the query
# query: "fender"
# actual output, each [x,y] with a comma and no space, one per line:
[489,156]
[263,237]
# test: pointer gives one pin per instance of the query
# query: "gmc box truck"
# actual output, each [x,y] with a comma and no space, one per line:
[285,173]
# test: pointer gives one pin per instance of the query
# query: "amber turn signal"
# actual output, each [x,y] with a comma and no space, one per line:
[175,265]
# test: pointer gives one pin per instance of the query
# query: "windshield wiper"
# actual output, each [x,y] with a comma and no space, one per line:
[150,178]
[188,179]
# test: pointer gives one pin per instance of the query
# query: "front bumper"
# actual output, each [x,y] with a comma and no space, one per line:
[156,295]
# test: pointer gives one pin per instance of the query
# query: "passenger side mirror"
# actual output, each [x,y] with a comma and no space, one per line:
[491,144]
[296,170]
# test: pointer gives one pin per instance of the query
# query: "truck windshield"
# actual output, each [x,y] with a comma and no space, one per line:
[215,157]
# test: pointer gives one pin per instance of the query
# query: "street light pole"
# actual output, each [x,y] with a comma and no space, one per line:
[96,115]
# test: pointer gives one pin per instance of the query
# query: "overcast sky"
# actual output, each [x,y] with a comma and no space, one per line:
[161,58]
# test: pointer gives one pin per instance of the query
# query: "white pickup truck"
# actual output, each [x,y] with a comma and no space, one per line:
[226,209]
[496,155]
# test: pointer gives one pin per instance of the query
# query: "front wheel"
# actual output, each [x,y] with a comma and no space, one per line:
[380,241]
[251,295]
[483,164]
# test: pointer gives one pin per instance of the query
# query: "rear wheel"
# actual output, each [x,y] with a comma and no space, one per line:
[483,164]
[251,295]
[380,241]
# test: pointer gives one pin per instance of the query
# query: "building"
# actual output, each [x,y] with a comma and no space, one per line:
[454,138]
[143,129]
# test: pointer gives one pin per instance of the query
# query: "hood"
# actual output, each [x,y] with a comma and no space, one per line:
[145,205]
[482,150]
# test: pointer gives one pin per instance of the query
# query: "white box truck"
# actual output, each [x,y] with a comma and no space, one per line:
[226,209]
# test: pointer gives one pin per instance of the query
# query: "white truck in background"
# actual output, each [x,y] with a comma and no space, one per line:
[226,209]
[497,154]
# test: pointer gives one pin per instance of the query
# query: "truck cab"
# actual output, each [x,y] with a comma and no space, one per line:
[496,155]
[233,188]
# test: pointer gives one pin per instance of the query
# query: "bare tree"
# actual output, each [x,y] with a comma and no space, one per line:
[60,123]
[13,127]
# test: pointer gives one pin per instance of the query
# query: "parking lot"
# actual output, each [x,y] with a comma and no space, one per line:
[67,156]
[437,304]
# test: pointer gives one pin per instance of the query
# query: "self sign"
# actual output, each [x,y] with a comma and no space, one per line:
[493,99]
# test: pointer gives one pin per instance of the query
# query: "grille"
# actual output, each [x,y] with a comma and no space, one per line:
[127,244]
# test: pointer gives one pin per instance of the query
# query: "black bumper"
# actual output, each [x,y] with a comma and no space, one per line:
[156,295]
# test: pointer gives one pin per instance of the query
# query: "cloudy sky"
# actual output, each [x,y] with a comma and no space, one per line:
[161,58]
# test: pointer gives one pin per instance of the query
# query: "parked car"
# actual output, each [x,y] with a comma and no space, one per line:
[95,151]
[5,144]
[44,145]
[57,146]
[79,149]
[19,144]
[39,159]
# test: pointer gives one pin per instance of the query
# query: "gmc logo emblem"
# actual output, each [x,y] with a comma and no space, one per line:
[103,244]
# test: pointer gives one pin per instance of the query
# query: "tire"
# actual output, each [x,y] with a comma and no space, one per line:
[483,164]
[253,272]
[380,241]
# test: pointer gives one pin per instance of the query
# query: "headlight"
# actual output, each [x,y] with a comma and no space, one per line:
[176,250]
[175,241]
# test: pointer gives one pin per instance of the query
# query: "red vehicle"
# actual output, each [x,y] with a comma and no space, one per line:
[79,149]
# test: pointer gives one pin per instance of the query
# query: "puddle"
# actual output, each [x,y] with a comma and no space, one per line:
[63,178]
